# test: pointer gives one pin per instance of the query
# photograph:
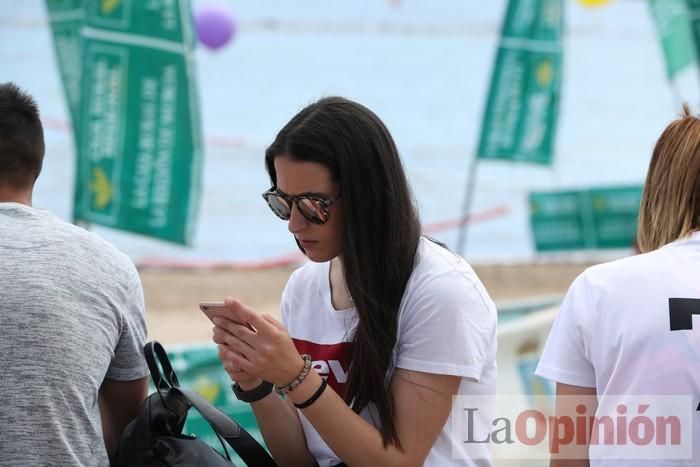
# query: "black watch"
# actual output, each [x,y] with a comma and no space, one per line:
[255,394]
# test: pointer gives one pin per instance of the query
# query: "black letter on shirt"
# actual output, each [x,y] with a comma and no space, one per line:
[681,311]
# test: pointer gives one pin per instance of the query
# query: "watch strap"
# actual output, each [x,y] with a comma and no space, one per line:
[255,394]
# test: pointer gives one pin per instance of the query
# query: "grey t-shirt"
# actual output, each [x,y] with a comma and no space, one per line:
[71,315]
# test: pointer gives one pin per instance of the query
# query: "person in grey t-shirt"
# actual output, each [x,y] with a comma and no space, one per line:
[72,372]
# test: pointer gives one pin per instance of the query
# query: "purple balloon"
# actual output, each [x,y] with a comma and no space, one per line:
[215,26]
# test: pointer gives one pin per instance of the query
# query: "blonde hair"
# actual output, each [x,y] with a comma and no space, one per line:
[670,207]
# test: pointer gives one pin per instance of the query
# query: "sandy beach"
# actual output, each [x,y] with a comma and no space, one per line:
[172,296]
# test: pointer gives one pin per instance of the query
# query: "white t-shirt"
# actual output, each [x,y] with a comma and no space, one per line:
[447,325]
[613,333]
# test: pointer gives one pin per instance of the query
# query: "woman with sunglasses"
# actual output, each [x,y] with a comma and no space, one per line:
[381,328]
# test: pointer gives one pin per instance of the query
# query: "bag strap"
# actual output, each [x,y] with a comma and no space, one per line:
[167,379]
[249,450]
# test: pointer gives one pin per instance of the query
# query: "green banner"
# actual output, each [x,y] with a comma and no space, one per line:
[139,143]
[615,212]
[198,367]
[521,112]
[673,26]
[585,219]
[557,221]
[66,18]
[694,15]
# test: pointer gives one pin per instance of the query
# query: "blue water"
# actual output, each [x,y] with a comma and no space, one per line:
[423,66]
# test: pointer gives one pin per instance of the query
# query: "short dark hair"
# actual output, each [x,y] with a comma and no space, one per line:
[21,137]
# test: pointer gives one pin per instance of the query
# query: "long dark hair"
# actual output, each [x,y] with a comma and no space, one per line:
[380,234]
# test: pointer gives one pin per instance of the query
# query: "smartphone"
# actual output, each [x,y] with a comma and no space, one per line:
[214,309]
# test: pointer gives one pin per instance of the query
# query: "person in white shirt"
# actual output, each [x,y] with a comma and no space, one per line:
[381,328]
[626,329]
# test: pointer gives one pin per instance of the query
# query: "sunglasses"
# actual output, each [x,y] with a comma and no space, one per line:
[313,208]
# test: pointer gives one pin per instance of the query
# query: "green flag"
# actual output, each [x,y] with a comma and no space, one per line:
[674,29]
[521,113]
[66,19]
[139,143]
[694,16]
[585,219]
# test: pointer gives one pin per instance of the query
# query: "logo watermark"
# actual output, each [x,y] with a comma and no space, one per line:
[614,427]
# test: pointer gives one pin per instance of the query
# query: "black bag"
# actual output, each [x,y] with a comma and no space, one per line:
[155,437]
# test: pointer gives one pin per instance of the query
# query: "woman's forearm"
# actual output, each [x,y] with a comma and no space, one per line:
[282,432]
[351,437]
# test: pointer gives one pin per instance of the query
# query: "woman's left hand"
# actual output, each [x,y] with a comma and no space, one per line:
[257,344]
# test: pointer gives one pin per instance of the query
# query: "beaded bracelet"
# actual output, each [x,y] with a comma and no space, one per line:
[296,381]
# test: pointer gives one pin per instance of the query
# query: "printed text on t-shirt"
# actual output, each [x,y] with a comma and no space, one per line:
[332,361]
